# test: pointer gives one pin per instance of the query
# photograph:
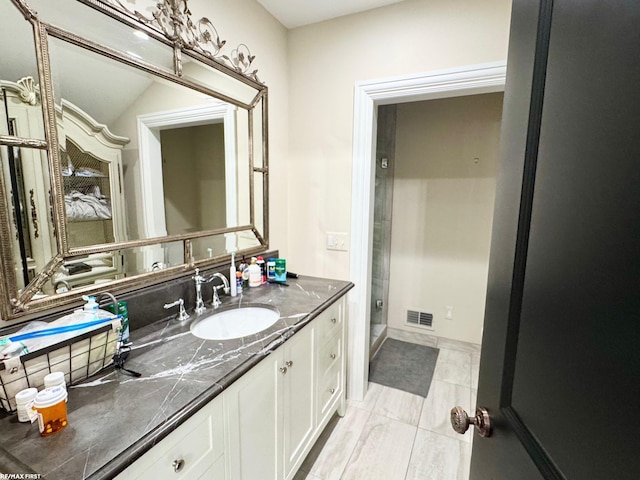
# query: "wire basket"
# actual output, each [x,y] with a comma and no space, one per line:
[78,358]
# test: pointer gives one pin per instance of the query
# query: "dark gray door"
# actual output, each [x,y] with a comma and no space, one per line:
[560,368]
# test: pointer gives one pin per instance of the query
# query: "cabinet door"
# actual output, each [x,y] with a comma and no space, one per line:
[298,397]
[187,453]
[252,422]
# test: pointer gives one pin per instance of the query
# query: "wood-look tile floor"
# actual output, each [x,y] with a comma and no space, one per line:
[394,435]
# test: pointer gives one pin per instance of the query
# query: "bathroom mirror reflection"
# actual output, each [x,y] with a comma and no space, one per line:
[147,157]
[159,151]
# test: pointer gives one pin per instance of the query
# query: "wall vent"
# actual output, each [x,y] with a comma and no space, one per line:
[420,319]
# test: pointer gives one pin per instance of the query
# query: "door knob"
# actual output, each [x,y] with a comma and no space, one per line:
[460,421]
[177,465]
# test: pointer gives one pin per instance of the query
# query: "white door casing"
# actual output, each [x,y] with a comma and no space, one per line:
[152,192]
[368,95]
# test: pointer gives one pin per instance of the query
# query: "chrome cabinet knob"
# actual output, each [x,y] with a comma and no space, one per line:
[460,421]
[283,370]
[332,391]
[177,465]
[332,356]
[333,320]
[289,363]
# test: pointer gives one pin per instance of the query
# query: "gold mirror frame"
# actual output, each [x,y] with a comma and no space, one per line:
[171,24]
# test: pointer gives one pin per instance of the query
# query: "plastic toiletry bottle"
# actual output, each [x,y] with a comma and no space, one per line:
[239,282]
[271,270]
[232,276]
[244,268]
[263,269]
[255,274]
[243,265]
[281,270]
[122,310]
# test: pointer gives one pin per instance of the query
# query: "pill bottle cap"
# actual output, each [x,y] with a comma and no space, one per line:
[53,379]
[50,397]
[26,395]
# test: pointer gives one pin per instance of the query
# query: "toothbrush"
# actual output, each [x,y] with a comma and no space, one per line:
[56,330]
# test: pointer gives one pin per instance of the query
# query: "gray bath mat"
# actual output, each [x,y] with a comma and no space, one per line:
[405,366]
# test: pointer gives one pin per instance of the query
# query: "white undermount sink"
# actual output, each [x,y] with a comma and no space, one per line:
[234,322]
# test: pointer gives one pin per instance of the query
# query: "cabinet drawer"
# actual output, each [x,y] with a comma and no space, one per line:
[330,354]
[330,322]
[187,452]
[330,390]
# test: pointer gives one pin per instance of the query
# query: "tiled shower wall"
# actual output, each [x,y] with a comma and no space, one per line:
[385,149]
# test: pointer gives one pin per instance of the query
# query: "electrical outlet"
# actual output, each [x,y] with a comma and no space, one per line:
[338,241]
[448,313]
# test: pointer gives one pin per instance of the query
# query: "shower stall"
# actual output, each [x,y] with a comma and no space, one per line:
[383,203]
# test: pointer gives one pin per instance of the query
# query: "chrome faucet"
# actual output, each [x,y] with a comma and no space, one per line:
[199,280]
[225,284]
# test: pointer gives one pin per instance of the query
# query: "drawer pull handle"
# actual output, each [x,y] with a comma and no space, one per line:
[177,465]
[283,370]
[333,356]
[332,391]
[333,320]
[289,363]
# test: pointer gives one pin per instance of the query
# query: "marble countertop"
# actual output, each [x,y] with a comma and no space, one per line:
[114,418]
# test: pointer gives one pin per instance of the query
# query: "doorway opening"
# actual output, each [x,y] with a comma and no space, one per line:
[488,78]
[435,182]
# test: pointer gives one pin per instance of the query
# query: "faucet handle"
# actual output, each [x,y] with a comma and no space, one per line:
[197,277]
[182,315]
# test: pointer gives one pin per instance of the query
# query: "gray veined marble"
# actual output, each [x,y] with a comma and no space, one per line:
[340,442]
[115,418]
[453,367]
[436,410]
[436,452]
[383,450]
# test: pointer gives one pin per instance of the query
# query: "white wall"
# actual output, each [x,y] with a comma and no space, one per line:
[325,61]
[443,196]
[246,21]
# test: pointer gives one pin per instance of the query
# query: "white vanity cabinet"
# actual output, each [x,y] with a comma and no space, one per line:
[276,411]
[264,424]
[331,363]
[194,451]
[270,411]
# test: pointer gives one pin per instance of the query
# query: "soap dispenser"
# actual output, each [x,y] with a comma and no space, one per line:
[255,274]
[91,305]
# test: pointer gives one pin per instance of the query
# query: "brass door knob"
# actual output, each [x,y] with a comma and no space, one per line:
[460,421]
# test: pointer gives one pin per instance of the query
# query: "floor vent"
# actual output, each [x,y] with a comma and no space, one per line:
[420,319]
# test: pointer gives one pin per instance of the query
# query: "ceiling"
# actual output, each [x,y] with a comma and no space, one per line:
[295,13]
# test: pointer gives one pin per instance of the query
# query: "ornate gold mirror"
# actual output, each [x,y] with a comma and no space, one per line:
[133,146]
